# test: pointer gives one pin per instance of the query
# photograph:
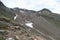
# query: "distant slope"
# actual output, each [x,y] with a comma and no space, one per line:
[52,17]
[43,20]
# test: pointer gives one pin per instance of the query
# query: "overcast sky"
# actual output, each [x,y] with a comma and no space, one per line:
[53,5]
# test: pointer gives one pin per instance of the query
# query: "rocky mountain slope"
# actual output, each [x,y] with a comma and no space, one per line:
[46,24]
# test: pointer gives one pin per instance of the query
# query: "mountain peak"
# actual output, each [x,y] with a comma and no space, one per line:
[45,10]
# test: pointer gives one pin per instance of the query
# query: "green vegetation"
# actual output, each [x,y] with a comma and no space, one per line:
[1,37]
[4,22]
[4,11]
[3,26]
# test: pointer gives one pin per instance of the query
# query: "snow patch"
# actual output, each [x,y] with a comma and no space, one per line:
[29,24]
[9,38]
[22,11]
[15,17]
